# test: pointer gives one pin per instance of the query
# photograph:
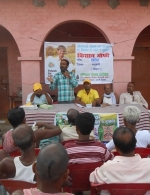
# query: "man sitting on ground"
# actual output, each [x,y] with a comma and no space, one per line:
[38,96]
[87,95]
[85,150]
[132,97]
[51,171]
[131,116]
[20,168]
[69,131]
[109,97]
[16,116]
[127,168]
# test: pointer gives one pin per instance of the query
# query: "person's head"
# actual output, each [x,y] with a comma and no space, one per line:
[108,88]
[124,140]
[130,87]
[23,137]
[131,115]
[51,165]
[37,88]
[61,51]
[64,65]
[87,84]
[85,123]
[16,116]
[72,114]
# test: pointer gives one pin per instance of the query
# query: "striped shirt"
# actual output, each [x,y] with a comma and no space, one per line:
[87,152]
[65,86]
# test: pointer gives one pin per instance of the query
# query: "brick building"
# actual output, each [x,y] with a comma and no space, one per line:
[26,24]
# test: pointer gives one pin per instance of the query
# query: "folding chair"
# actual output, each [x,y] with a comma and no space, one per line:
[13,185]
[68,141]
[80,176]
[121,189]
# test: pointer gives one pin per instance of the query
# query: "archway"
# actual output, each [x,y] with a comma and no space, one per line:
[140,65]
[10,74]
[74,31]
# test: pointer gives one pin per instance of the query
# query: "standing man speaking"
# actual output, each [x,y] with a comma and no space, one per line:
[65,81]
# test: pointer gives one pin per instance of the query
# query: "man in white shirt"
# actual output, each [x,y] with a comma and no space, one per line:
[39,96]
[131,116]
[132,97]
[127,168]
[69,131]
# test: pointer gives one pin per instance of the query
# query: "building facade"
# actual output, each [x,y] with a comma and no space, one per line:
[26,24]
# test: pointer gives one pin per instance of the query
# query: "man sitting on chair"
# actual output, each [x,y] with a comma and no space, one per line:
[109,97]
[127,168]
[131,116]
[39,96]
[20,168]
[132,97]
[51,171]
[69,131]
[87,95]
[85,150]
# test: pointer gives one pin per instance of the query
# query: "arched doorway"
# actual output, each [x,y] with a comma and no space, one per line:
[74,31]
[141,63]
[10,74]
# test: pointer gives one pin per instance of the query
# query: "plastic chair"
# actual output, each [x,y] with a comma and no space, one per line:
[18,153]
[68,141]
[13,185]
[80,176]
[143,152]
[121,189]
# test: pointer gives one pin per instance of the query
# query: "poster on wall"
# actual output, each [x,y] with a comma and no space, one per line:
[104,126]
[86,60]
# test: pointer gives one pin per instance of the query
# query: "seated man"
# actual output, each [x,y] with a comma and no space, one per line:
[109,97]
[69,131]
[85,150]
[16,116]
[87,95]
[131,116]
[20,168]
[51,171]
[38,96]
[127,168]
[132,97]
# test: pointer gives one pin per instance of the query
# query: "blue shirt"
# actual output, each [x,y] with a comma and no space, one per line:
[37,100]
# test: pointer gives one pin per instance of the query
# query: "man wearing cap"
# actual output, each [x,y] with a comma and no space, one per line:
[38,96]
[87,95]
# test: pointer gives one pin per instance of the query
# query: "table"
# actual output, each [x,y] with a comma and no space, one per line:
[42,115]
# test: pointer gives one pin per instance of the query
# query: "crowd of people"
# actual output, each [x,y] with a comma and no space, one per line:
[75,142]
[76,145]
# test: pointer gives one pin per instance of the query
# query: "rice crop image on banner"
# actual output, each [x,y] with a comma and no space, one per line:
[108,123]
[54,52]
[94,61]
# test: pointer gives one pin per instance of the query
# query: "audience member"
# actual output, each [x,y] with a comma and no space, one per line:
[87,95]
[85,150]
[109,97]
[127,168]
[65,81]
[131,116]
[16,116]
[51,171]
[132,97]
[20,168]
[39,96]
[69,131]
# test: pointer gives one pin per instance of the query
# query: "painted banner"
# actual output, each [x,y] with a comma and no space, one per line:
[105,124]
[86,60]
